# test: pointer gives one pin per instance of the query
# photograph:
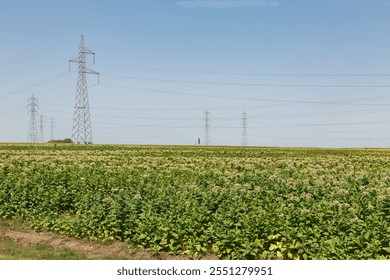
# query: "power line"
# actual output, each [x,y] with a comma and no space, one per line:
[320,139]
[120,126]
[249,84]
[326,124]
[48,80]
[144,118]
[249,74]
[243,98]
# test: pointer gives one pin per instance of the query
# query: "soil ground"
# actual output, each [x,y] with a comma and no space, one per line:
[16,237]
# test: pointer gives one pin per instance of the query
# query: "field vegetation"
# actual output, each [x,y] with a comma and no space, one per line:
[234,202]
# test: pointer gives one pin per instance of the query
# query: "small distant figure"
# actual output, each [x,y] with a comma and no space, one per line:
[198,140]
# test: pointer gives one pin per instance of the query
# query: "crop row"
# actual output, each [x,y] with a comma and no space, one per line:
[237,203]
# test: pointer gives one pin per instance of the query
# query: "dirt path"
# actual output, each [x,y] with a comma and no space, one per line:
[91,250]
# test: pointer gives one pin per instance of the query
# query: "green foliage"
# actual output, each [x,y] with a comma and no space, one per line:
[65,141]
[252,203]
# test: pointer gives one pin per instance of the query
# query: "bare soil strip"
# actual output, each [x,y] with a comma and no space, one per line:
[91,250]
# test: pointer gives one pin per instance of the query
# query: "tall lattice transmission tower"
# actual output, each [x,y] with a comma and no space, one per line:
[207,121]
[244,120]
[41,138]
[82,129]
[52,129]
[33,112]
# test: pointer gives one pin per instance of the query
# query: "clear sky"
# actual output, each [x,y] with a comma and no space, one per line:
[307,73]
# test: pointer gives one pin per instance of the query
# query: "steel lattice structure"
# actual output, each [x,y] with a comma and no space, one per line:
[244,120]
[207,127]
[52,128]
[41,138]
[82,129]
[33,112]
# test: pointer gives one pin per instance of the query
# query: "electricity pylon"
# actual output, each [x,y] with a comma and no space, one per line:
[41,138]
[33,112]
[207,127]
[82,129]
[52,128]
[244,120]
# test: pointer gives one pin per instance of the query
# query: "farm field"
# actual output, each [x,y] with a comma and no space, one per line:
[233,202]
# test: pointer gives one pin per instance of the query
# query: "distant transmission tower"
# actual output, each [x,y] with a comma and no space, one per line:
[244,120]
[41,138]
[33,112]
[207,121]
[82,130]
[52,128]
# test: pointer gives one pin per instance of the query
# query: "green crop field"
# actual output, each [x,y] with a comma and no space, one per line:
[237,203]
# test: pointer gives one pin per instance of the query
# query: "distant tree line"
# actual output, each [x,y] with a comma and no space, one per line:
[66,140]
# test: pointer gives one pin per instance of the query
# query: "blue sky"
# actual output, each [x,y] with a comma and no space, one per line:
[308,73]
